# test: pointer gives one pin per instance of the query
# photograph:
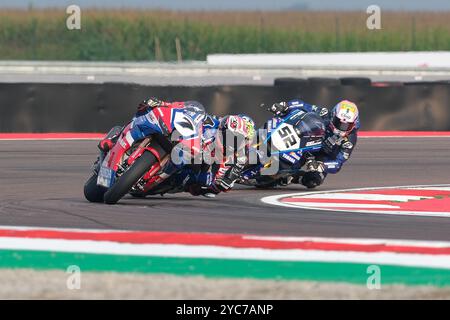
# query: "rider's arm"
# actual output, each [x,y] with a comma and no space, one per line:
[299,104]
[141,127]
[334,165]
[149,104]
[284,108]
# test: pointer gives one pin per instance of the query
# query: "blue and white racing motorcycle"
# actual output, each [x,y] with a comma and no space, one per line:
[283,148]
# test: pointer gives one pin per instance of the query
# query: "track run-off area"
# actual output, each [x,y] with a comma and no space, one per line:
[359,217]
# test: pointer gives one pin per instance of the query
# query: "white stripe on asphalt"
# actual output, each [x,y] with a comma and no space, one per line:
[217,252]
[361,210]
[431,188]
[275,200]
[364,196]
[343,205]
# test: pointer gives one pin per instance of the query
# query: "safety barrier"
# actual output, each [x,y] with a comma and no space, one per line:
[30,107]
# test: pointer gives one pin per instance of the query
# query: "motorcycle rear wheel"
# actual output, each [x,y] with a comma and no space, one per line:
[93,192]
[129,178]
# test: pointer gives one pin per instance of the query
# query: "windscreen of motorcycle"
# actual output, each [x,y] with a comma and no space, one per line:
[297,133]
[186,125]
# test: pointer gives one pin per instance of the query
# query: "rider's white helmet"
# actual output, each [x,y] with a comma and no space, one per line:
[344,118]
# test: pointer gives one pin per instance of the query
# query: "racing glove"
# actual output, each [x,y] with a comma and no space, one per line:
[149,103]
[279,108]
[315,166]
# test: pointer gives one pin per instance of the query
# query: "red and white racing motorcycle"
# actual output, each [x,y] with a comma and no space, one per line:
[134,165]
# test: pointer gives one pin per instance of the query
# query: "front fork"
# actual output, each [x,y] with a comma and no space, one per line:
[151,178]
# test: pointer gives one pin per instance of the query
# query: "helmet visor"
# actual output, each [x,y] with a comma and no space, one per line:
[342,126]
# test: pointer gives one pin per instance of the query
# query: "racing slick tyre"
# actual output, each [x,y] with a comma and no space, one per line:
[93,192]
[129,178]
[138,195]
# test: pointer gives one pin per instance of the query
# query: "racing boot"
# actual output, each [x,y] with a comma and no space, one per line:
[110,140]
[285,181]
[105,145]
[313,179]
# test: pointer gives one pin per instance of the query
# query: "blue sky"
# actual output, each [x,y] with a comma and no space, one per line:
[240,4]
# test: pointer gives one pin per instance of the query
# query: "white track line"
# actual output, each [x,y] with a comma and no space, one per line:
[432,189]
[362,196]
[343,205]
[274,200]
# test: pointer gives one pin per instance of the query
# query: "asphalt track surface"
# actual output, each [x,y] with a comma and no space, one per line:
[42,182]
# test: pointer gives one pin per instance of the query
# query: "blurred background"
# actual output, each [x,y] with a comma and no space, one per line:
[141,30]
[391,57]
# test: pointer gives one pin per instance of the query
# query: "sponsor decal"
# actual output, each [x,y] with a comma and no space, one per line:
[288,158]
[296,114]
[296,103]
[348,145]
[151,118]
[295,156]
[313,143]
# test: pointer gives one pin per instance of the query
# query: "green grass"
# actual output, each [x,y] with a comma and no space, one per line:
[224,268]
[130,35]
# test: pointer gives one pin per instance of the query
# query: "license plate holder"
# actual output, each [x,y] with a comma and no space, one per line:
[106,177]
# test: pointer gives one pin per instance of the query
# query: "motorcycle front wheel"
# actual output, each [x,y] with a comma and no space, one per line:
[124,184]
